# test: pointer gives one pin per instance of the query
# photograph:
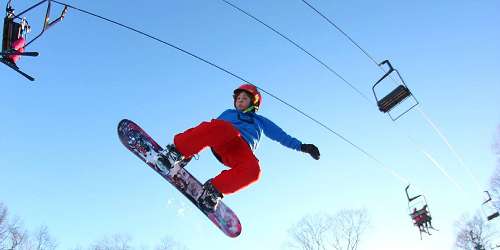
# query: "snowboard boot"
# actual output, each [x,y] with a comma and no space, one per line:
[209,198]
[169,156]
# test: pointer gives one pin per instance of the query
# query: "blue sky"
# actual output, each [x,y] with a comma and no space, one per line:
[63,166]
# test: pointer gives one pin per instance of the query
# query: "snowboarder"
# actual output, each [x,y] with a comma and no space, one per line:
[232,137]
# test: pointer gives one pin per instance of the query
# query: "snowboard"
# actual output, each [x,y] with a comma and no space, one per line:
[135,139]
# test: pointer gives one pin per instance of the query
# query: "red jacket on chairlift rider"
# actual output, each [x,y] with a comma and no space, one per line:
[18,41]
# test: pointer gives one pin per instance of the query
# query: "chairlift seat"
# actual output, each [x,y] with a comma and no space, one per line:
[394,98]
[493,216]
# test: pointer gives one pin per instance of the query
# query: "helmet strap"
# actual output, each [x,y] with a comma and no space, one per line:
[249,109]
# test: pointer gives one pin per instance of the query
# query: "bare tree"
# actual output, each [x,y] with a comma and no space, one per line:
[116,242]
[3,225]
[17,237]
[14,237]
[349,225]
[341,231]
[42,240]
[311,232]
[124,242]
[168,243]
[474,233]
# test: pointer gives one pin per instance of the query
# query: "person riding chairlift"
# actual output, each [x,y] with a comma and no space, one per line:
[14,36]
[422,218]
[18,43]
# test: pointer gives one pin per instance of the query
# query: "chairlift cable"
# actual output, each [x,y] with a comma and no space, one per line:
[433,161]
[300,47]
[342,31]
[385,167]
[426,118]
[451,148]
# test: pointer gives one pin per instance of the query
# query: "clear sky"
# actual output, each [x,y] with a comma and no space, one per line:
[63,166]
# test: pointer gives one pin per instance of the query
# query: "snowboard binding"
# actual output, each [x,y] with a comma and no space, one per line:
[210,197]
[169,158]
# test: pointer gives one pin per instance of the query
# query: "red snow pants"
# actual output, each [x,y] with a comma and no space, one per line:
[18,46]
[234,152]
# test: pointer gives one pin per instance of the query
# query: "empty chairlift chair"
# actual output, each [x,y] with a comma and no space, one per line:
[390,100]
[489,209]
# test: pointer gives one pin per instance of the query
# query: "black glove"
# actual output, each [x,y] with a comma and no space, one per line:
[310,149]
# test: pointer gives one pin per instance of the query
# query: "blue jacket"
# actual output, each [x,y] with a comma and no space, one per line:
[252,125]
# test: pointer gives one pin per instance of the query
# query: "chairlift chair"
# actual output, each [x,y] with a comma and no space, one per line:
[492,213]
[15,28]
[395,97]
[419,212]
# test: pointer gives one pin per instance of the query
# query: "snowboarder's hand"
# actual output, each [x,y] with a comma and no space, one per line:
[310,149]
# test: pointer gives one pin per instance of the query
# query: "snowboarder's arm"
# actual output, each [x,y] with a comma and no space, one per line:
[275,133]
